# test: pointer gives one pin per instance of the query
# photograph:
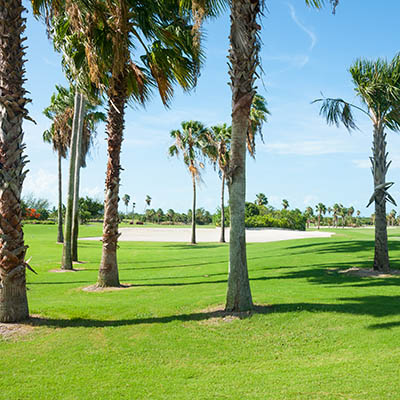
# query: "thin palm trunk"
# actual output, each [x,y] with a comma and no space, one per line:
[108,271]
[380,166]
[319,220]
[222,237]
[78,162]
[66,262]
[193,240]
[60,235]
[13,300]
[243,56]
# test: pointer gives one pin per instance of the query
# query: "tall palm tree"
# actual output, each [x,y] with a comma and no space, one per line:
[285,204]
[377,85]
[244,60]
[13,300]
[320,208]
[309,214]
[59,134]
[115,32]
[220,138]
[193,142]
[62,112]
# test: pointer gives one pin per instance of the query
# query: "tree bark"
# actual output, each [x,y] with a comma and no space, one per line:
[243,57]
[193,240]
[379,170]
[66,262]
[60,235]
[222,237]
[108,271]
[78,163]
[13,299]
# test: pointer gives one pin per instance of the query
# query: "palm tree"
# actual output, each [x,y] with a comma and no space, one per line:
[285,204]
[13,300]
[350,212]
[170,215]
[59,134]
[343,213]
[261,199]
[320,208]
[336,210]
[392,216]
[258,115]
[147,200]
[244,60]
[220,136]
[192,141]
[309,214]
[126,199]
[114,33]
[377,84]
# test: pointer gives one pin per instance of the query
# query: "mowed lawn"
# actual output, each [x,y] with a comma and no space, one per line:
[316,334]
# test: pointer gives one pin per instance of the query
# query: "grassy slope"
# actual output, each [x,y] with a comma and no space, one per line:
[324,336]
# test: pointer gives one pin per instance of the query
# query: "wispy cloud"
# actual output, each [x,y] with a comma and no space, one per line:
[42,184]
[308,31]
[309,147]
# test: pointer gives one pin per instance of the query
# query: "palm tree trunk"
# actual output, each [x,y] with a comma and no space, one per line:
[193,240]
[319,220]
[13,300]
[78,163]
[222,237]
[66,262]
[60,235]
[379,167]
[243,57]
[108,271]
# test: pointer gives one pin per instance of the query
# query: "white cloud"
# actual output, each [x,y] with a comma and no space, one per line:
[43,184]
[310,199]
[308,31]
[308,147]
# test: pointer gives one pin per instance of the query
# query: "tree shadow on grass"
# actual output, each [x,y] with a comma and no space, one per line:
[375,306]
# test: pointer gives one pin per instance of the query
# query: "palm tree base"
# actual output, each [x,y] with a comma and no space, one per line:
[13,302]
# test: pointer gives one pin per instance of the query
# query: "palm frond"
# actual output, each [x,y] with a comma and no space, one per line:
[337,111]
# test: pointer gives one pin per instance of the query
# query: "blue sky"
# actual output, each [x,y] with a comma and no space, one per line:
[305,52]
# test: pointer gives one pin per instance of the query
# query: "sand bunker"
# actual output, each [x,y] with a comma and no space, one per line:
[210,235]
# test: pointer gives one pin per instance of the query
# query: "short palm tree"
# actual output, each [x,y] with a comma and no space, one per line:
[126,199]
[377,85]
[320,208]
[261,199]
[193,142]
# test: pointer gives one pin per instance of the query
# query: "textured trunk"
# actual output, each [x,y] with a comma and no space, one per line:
[243,57]
[78,163]
[222,237]
[66,262]
[379,169]
[193,240]
[60,235]
[108,272]
[13,300]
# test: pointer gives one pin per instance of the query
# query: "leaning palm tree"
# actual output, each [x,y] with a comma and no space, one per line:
[193,142]
[377,85]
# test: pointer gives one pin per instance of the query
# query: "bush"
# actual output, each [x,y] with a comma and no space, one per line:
[287,219]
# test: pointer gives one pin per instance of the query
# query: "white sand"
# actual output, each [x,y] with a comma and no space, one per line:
[209,235]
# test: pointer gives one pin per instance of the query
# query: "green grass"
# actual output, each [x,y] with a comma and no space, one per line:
[319,334]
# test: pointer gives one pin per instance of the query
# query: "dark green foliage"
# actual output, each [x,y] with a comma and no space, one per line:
[90,208]
[251,210]
[287,219]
